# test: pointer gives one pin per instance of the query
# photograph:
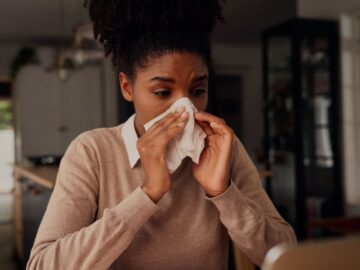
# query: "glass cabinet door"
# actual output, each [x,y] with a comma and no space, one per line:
[280,114]
[301,96]
[317,106]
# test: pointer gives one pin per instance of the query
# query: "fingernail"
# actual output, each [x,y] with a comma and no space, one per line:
[184,114]
[180,124]
[180,109]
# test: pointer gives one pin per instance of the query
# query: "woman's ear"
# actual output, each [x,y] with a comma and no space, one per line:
[126,87]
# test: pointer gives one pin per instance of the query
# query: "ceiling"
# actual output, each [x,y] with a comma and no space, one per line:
[247,18]
[41,20]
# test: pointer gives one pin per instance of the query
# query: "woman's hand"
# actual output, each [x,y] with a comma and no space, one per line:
[152,149]
[213,170]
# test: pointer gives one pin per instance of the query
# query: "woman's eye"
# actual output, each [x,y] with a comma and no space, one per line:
[198,92]
[162,93]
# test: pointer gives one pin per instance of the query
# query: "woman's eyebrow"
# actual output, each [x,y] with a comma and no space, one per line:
[171,80]
[201,78]
[163,79]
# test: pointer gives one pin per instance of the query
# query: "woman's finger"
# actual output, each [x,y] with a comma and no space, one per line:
[204,116]
[171,130]
[216,124]
[206,127]
[164,131]
[159,125]
[222,129]
[176,127]
[171,127]
[178,121]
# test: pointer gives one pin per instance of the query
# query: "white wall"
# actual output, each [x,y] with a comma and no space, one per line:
[350,55]
[245,60]
[326,9]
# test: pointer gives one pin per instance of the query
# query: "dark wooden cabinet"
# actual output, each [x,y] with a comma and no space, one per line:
[302,120]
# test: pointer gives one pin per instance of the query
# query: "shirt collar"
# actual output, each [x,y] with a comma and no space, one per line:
[130,137]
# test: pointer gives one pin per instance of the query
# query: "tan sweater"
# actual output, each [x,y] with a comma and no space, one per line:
[98,217]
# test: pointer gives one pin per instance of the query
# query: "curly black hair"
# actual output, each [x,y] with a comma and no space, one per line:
[133,31]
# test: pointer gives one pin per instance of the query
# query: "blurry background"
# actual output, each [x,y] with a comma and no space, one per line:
[286,79]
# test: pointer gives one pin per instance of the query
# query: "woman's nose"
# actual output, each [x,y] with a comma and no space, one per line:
[184,94]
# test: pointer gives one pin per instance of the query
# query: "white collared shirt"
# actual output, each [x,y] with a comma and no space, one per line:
[130,137]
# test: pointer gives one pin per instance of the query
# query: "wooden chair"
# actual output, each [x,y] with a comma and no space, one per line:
[327,254]
[242,262]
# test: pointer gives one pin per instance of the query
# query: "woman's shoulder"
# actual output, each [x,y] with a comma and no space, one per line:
[101,138]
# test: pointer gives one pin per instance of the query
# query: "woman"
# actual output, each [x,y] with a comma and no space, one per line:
[115,205]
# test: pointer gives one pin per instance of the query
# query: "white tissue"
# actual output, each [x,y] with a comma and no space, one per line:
[190,142]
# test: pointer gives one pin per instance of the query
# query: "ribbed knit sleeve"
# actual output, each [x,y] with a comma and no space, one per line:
[68,236]
[246,211]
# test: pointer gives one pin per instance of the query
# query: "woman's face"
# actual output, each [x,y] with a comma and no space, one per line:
[162,82]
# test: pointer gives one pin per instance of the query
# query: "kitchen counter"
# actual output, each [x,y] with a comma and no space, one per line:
[42,175]
[30,182]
